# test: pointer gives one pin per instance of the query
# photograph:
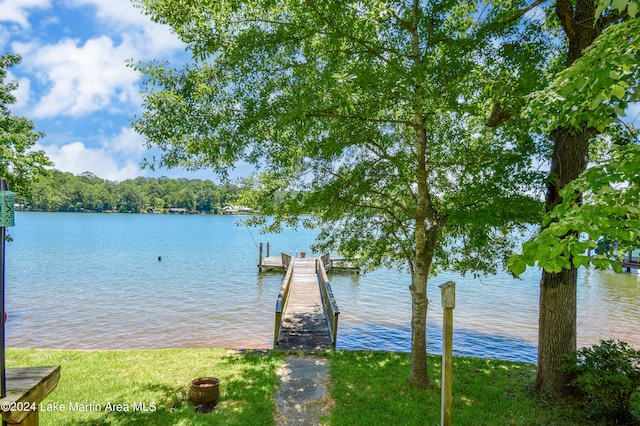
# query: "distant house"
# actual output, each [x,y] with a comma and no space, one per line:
[236,210]
[174,210]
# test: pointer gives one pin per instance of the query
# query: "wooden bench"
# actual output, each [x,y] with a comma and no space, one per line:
[27,387]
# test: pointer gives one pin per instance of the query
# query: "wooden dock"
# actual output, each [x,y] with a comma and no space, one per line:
[342,264]
[271,263]
[306,311]
[629,265]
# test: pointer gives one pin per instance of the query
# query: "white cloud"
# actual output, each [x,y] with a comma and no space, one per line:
[77,78]
[5,36]
[77,88]
[77,158]
[127,142]
[118,158]
[16,10]
[151,39]
[120,11]
[81,79]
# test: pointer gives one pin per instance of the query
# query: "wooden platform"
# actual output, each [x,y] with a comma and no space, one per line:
[26,388]
[270,263]
[628,265]
[304,325]
[275,263]
[342,264]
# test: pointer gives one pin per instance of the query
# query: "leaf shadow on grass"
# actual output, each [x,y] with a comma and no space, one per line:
[247,385]
[373,388]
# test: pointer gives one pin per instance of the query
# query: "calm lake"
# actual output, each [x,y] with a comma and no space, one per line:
[94,281]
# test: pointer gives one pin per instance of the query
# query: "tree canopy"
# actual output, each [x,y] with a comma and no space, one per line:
[583,101]
[594,93]
[370,116]
[601,229]
[597,89]
[19,165]
[65,192]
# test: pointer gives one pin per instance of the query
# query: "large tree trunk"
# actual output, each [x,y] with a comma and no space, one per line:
[423,255]
[558,298]
[419,375]
[557,329]
[425,239]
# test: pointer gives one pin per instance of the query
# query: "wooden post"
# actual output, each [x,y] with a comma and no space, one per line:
[630,259]
[268,247]
[7,218]
[3,379]
[260,259]
[448,290]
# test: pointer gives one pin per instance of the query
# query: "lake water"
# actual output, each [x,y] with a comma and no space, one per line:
[94,281]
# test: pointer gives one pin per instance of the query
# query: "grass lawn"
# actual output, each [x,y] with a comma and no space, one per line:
[372,388]
[369,388]
[158,378]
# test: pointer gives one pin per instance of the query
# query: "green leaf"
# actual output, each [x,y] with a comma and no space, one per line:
[618,91]
[603,4]
[616,267]
[602,263]
[556,265]
[517,265]
[597,100]
[579,261]
[619,5]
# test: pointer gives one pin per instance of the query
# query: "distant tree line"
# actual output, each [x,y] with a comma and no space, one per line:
[66,192]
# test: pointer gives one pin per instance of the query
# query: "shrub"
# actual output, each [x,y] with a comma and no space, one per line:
[607,375]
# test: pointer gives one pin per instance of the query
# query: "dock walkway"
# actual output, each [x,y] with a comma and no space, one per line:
[304,322]
[306,311]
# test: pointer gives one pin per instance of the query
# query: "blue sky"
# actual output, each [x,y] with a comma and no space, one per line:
[76,88]
[74,84]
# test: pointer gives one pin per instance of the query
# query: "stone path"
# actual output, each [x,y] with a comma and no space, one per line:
[302,397]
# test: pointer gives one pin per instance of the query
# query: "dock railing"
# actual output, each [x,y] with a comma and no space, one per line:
[283,297]
[326,261]
[330,306]
[286,260]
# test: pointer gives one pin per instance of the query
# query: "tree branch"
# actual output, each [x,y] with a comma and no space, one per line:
[375,52]
[564,10]
[521,13]
[498,115]
[333,114]
[605,21]
[404,24]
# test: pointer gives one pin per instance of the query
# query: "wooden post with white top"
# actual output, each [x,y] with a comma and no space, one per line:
[448,303]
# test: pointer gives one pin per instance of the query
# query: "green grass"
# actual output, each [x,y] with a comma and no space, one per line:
[158,378]
[372,388]
[369,388]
